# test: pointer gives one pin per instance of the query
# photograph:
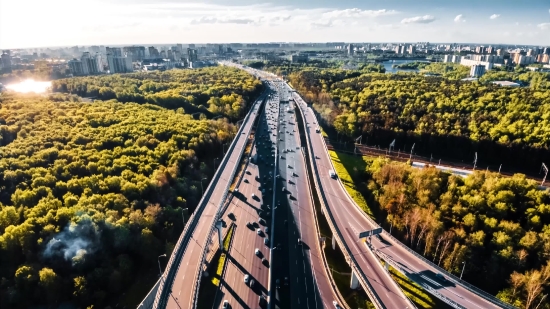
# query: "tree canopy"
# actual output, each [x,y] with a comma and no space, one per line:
[499,226]
[92,193]
[442,116]
[213,90]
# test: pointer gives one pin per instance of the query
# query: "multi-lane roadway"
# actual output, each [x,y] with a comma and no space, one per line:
[182,287]
[275,181]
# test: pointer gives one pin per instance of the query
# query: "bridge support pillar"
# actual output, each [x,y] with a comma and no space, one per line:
[387,265]
[333,242]
[219,227]
[354,284]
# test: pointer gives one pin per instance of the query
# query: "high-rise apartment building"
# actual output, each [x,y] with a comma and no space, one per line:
[412,49]
[114,51]
[153,52]
[119,64]
[477,70]
[86,65]
[5,60]
[191,55]
[137,53]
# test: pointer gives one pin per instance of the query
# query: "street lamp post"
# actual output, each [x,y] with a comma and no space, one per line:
[158,259]
[202,189]
[462,272]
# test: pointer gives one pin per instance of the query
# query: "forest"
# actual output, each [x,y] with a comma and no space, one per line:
[92,193]
[213,91]
[499,226]
[444,117]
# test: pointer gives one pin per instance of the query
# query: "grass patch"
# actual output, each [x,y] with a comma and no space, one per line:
[222,257]
[208,288]
[356,163]
[416,293]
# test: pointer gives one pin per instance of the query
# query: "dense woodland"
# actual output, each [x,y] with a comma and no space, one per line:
[499,226]
[212,91]
[444,117]
[92,193]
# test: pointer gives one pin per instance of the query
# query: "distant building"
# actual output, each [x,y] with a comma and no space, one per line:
[5,60]
[76,67]
[350,49]
[411,50]
[153,52]
[192,55]
[477,70]
[114,51]
[136,52]
[119,64]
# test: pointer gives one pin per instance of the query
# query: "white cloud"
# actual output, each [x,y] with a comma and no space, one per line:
[356,13]
[426,19]
[494,16]
[459,18]
[215,20]
[544,26]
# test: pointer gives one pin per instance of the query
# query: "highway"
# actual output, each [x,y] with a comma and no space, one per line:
[184,283]
[351,221]
[302,278]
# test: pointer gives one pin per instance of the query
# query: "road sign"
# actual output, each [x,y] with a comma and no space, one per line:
[364,234]
[370,233]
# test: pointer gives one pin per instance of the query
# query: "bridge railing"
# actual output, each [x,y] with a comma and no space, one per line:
[179,250]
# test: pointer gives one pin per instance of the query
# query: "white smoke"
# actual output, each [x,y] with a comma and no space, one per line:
[75,242]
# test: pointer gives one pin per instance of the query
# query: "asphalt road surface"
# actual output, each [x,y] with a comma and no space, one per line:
[182,290]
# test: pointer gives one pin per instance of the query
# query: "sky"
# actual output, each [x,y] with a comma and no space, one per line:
[41,23]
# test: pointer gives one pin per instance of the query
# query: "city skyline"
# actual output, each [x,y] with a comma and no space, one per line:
[123,22]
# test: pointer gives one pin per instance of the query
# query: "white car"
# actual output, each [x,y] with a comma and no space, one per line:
[246,278]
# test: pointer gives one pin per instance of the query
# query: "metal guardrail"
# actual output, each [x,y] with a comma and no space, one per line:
[260,101]
[336,232]
[341,299]
[430,289]
[453,278]
[171,270]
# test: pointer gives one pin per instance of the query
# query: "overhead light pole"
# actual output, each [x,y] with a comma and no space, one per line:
[158,259]
[202,189]
[462,272]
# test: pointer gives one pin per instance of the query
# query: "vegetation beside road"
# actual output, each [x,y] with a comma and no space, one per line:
[441,116]
[92,193]
[212,91]
[499,226]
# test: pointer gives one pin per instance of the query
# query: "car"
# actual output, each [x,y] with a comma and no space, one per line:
[266,230]
[231,215]
[259,232]
[283,189]
[278,284]
[440,277]
[289,166]
[245,180]
[249,224]
[266,241]
[246,278]
[225,304]
[257,252]
[264,261]
[253,195]
[252,283]
[299,242]
[336,306]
